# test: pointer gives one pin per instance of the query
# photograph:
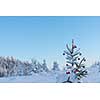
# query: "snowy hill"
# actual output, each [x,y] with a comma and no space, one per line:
[93,75]
[15,71]
[53,77]
[29,79]
[36,78]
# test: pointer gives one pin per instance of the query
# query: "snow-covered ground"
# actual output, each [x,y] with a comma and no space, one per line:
[36,78]
[93,75]
[53,77]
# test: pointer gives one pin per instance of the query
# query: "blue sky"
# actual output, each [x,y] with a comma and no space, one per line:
[46,37]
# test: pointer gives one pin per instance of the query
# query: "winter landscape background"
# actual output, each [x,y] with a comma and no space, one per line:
[31,48]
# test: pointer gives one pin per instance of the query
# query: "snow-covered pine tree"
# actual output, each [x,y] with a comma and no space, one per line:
[44,66]
[11,66]
[19,68]
[75,64]
[55,66]
[27,68]
[97,64]
[39,68]
[35,66]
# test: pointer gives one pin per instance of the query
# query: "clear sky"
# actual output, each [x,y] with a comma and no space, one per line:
[46,37]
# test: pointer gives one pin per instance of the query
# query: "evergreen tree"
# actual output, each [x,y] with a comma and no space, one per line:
[75,64]
[97,64]
[44,66]
[35,66]
[55,66]
[27,68]
[19,68]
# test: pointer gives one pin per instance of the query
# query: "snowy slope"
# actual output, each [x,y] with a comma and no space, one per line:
[53,77]
[93,75]
[36,78]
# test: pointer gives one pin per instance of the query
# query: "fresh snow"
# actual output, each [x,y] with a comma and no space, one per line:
[36,78]
[93,75]
[53,77]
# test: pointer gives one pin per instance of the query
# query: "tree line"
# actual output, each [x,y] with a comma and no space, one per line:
[9,66]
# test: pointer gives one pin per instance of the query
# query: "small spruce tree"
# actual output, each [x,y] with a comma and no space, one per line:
[55,66]
[44,66]
[75,64]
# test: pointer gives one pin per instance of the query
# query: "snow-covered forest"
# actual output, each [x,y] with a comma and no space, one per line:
[14,70]
[33,71]
[74,71]
[9,66]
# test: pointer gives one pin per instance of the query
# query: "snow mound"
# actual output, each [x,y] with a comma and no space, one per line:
[36,78]
[93,75]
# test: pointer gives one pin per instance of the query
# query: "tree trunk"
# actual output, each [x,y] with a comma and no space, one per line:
[68,80]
